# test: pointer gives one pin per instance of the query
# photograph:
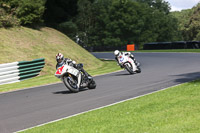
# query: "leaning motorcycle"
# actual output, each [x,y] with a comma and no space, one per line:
[74,78]
[127,63]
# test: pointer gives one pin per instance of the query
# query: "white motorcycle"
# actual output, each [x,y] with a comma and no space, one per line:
[74,79]
[129,64]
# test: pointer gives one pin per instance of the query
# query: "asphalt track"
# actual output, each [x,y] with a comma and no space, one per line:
[30,107]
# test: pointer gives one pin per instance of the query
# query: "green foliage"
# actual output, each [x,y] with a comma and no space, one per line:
[194,24]
[85,19]
[24,12]
[189,23]
[160,5]
[118,22]
[106,22]
[69,28]
[30,12]
[59,11]
[7,16]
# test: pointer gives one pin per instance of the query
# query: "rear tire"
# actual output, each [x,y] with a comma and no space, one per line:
[92,85]
[72,86]
[139,70]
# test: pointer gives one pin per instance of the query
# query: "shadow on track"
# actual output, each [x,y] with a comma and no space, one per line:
[125,74]
[69,92]
[187,77]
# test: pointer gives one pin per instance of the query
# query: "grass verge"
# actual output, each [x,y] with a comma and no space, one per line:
[174,110]
[108,66]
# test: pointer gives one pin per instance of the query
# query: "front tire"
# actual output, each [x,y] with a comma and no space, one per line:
[129,68]
[71,83]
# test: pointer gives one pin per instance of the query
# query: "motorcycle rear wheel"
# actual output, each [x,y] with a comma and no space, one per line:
[71,84]
[139,70]
[92,85]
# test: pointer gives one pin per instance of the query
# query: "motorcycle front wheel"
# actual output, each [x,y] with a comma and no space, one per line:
[71,83]
[129,68]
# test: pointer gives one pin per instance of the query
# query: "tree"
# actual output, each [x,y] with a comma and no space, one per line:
[8,16]
[30,12]
[27,12]
[59,11]
[122,21]
[160,5]
[194,24]
[189,23]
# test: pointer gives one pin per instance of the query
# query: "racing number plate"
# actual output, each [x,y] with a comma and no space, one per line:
[73,71]
[121,59]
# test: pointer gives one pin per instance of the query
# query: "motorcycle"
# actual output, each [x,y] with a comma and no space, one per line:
[129,64]
[74,78]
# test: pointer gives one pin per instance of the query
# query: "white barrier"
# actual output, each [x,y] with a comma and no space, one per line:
[9,73]
[16,71]
[8,64]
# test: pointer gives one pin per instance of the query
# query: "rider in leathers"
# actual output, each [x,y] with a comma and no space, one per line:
[61,61]
[117,53]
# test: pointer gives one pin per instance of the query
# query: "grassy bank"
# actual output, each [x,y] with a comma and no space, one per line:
[175,110]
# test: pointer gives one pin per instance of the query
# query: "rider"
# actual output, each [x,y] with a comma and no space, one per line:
[117,54]
[61,61]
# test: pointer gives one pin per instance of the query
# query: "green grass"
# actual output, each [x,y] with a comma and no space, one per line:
[108,66]
[175,110]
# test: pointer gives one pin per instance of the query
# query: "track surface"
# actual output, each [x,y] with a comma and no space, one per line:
[31,107]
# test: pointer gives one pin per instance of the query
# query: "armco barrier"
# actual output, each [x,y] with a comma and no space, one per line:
[17,71]
[172,45]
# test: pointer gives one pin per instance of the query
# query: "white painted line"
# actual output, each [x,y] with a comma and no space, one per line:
[98,108]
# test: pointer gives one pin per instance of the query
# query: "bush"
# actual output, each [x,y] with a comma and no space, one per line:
[7,16]
[30,12]
[69,28]
[21,12]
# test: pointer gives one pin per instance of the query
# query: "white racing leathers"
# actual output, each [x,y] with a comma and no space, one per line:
[128,63]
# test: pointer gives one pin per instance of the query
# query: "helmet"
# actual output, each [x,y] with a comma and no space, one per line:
[59,58]
[116,53]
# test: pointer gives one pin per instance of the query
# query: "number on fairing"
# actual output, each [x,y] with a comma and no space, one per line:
[59,71]
[73,71]
[121,59]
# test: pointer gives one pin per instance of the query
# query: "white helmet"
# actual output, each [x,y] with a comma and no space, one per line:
[59,58]
[116,53]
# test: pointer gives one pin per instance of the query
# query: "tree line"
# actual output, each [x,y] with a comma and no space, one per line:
[105,22]
[189,23]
